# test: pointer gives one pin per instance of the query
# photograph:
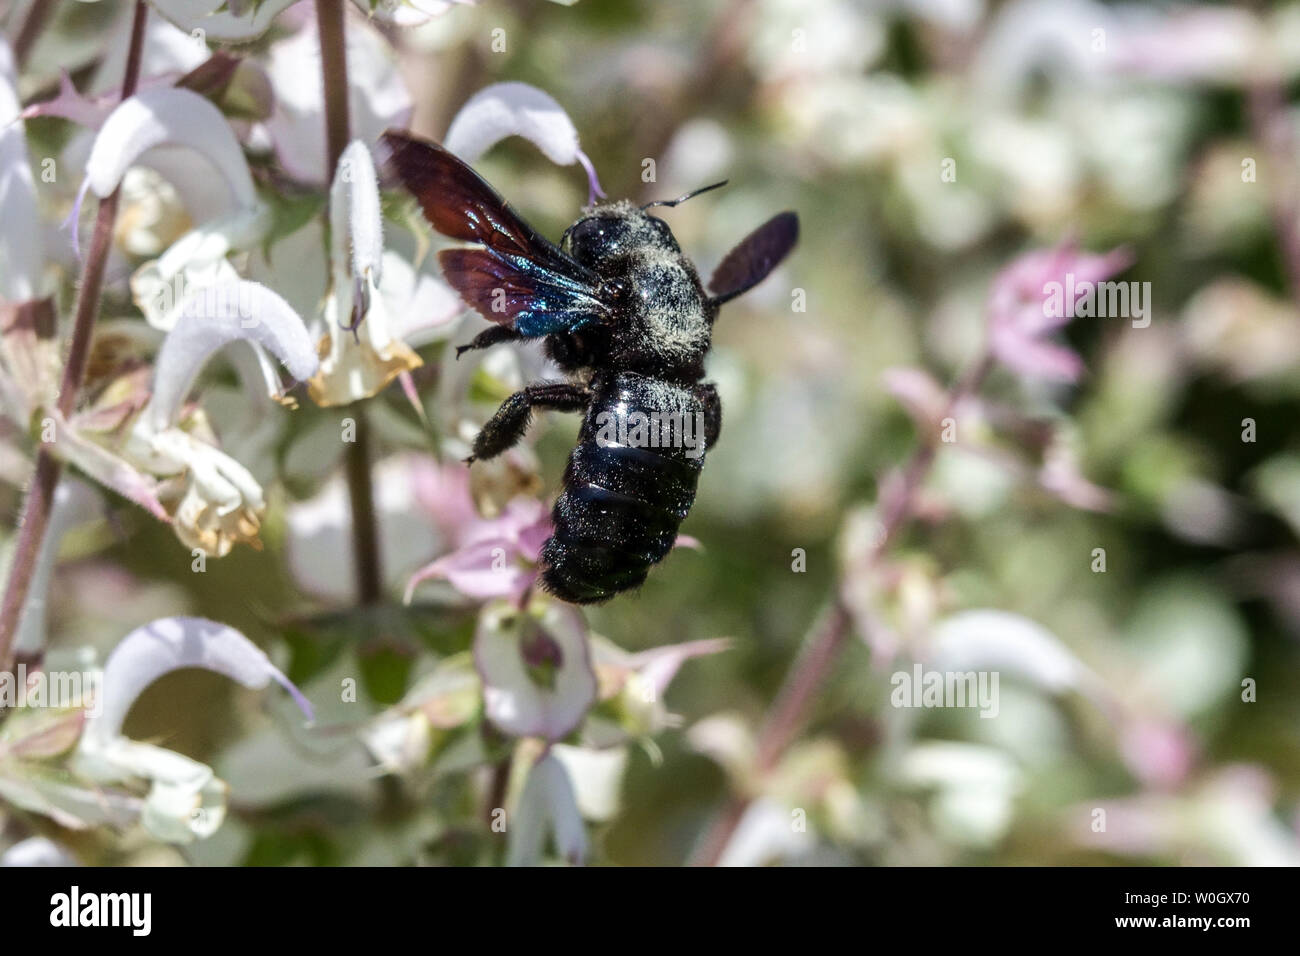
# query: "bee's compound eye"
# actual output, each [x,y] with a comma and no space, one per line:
[663,235]
[594,239]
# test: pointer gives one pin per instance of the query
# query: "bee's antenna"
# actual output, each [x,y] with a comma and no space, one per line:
[682,199]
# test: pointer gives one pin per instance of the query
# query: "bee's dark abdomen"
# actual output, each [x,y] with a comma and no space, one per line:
[622,504]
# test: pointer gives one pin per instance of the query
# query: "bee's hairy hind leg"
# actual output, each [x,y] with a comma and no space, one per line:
[508,425]
[489,337]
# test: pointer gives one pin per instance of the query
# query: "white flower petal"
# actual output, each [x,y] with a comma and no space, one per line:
[377,96]
[516,702]
[319,532]
[168,644]
[168,115]
[512,109]
[408,13]
[547,804]
[597,777]
[234,25]
[22,257]
[37,851]
[356,223]
[216,316]
[1002,641]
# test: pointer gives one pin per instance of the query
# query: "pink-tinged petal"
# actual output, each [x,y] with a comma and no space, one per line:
[442,491]
[1036,359]
[918,392]
[533,535]
[1159,753]
[1027,302]
[659,665]
[688,542]
[412,394]
[70,105]
[547,806]
[536,668]
[483,571]
[44,732]
[106,468]
[171,643]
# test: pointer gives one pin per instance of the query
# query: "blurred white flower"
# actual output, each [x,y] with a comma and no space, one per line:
[377,96]
[220,503]
[186,801]
[536,668]
[178,118]
[547,807]
[22,258]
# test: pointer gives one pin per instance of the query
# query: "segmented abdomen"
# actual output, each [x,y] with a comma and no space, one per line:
[623,500]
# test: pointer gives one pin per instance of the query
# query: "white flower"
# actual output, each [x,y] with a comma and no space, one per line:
[21,250]
[547,806]
[185,801]
[517,109]
[175,118]
[377,97]
[221,503]
[536,668]
[362,349]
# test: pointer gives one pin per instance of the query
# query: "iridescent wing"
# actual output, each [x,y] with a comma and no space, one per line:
[518,278]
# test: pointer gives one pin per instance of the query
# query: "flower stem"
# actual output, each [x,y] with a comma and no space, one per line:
[361,495]
[40,495]
[34,21]
[789,712]
[334,76]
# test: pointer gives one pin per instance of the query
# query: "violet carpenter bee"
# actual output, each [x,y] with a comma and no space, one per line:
[623,312]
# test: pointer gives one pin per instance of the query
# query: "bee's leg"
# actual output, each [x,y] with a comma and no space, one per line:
[489,337]
[507,426]
[708,395]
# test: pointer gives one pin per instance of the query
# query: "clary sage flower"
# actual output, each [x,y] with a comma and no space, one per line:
[185,800]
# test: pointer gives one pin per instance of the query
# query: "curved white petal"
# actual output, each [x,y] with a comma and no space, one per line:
[512,109]
[168,644]
[1002,641]
[548,803]
[238,23]
[215,316]
[536,671]
[168,115]
[356,222]
[21,248]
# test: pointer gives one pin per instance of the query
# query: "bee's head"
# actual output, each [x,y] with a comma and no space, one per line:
[612,231]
